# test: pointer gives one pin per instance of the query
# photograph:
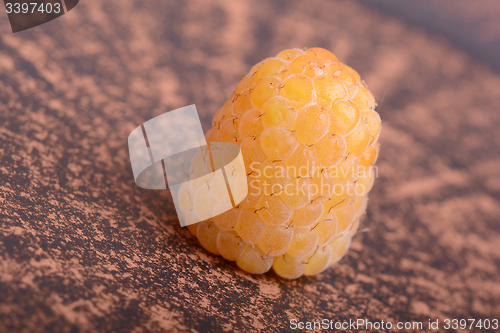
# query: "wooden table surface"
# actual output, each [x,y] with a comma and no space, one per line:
[82,248]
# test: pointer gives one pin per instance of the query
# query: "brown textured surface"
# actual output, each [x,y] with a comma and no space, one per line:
[83,249]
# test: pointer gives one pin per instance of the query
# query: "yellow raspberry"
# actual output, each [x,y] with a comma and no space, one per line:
[308,132]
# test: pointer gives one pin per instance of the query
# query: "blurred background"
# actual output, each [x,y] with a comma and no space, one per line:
[82,248]
[468,25]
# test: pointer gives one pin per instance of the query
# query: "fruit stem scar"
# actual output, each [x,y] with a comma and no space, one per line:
[251,168]
[282,188]
[343,199]
[253,136]
[320,222]
[205,157]
[270,249]
[280,159]
[334,239]
[362,231]
[261,208]
[312,200]
[308,260]
[271,215]
[220,120]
